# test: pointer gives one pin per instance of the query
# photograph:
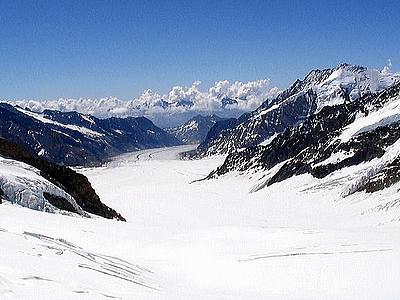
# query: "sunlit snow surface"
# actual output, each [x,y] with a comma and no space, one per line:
[187,239]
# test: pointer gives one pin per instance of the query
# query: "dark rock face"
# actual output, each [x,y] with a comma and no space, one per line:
[384,179]
[195,130]
[302,148]
[75,184]
[59,202]
[217,130]
[75,139]
[289,143]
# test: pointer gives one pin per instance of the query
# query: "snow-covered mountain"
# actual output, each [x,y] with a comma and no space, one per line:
[71,138]
[363,132]
[342,84]
[195,130]
[37,184]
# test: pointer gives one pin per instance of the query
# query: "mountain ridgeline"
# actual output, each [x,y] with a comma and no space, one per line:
[355,121]
[74,139]
[195,130]
[345,83]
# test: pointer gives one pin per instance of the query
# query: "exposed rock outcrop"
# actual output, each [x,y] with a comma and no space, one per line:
[320,88]
[317,146]
[73,183]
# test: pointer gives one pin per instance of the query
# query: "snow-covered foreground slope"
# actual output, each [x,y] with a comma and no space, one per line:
[297,239]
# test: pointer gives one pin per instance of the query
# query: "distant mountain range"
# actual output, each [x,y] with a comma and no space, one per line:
[71,138]
[195,130]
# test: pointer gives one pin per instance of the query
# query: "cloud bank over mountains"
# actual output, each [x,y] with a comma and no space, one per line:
[171,109]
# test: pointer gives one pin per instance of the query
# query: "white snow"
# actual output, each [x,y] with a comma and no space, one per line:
[359,82]
[335,158]
[88,119]
[187,239]
[269,140]
[273,107]
[23,184]
[388,114]
[42,152]
[85,131]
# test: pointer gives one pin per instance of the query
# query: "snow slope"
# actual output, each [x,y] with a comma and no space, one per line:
[187,239]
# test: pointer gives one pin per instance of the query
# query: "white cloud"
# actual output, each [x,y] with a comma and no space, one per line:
[172,108]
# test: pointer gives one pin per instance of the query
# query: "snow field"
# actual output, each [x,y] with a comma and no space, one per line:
[187,239]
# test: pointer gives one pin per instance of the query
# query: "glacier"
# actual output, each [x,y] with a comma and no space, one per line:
[190,239]
[22,184]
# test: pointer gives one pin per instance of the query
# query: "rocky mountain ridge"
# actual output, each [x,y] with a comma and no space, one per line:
[71,138]
[364,132]
[342,84]
[195,130]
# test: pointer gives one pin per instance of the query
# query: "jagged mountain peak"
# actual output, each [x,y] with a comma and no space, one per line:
[350,67]
[194,130]
[364,134]
[320,88]
[316,76]
[335,85]
[350,82]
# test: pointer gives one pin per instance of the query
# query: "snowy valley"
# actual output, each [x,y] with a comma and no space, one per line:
[214,239]
[298,199]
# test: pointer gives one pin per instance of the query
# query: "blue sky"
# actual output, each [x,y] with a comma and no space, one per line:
[93,49]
